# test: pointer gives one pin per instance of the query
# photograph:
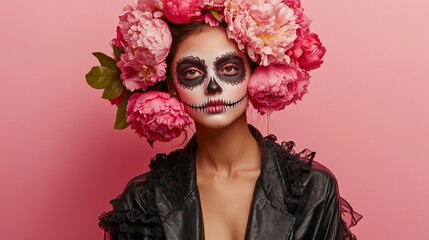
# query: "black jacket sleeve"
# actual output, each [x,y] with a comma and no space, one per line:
[331,219]
[320,218]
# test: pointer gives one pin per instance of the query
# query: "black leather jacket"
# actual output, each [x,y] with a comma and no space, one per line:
[294,198]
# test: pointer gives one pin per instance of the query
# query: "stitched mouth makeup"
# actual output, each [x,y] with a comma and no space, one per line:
[215,106]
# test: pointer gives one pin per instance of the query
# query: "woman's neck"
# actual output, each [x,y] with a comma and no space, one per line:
[227,150]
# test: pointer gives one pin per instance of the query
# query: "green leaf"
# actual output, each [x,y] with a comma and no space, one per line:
[114,89]
[105,60]
[215,15]
[99,77]
[121,121]
[117,51]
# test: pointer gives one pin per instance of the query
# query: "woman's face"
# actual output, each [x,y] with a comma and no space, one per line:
[211,75]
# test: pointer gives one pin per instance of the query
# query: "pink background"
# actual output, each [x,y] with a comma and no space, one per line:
[366,116]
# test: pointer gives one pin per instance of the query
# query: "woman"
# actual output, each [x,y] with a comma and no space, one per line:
[228,182]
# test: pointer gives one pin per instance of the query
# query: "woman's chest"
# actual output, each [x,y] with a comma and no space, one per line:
[225,206]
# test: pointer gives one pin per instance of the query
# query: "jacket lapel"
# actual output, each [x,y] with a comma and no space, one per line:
[180,212]
[269,217]
[184,222]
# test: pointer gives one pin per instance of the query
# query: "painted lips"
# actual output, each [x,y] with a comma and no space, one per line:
[216,106]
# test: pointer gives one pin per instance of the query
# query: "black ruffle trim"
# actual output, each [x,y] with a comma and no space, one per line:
[142,224]
[131,224]
[349,217]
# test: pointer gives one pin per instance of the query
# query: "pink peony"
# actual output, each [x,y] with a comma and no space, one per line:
[147,34]
[302,20]
[307,51]
[273,87]
[153,6]
[146,42]
[182,12]
[156,116]
[266,29]
[137,73]
[293,3]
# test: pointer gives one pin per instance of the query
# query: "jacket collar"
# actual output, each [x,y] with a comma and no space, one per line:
[180,207]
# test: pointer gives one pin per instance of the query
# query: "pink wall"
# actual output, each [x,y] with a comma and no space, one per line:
[366,116]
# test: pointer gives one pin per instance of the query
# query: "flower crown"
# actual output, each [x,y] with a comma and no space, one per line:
[275,35]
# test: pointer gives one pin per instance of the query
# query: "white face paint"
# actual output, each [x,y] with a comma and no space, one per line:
[211,76]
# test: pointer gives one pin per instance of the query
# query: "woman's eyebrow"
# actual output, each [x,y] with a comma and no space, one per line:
[228,57]
[191,61]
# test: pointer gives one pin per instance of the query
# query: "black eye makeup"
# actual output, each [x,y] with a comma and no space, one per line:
[191,72]
[230,68]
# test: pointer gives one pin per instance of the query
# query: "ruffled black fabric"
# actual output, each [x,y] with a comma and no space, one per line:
[131,224]
[350,218]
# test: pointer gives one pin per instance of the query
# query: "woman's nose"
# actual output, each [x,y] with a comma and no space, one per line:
[213,87]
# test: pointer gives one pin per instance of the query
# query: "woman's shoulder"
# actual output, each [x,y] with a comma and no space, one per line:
[301,174]
[135,207]
[163,169]
[298,164]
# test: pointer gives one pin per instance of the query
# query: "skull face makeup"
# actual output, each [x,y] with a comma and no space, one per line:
[211,76]
[230,68]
